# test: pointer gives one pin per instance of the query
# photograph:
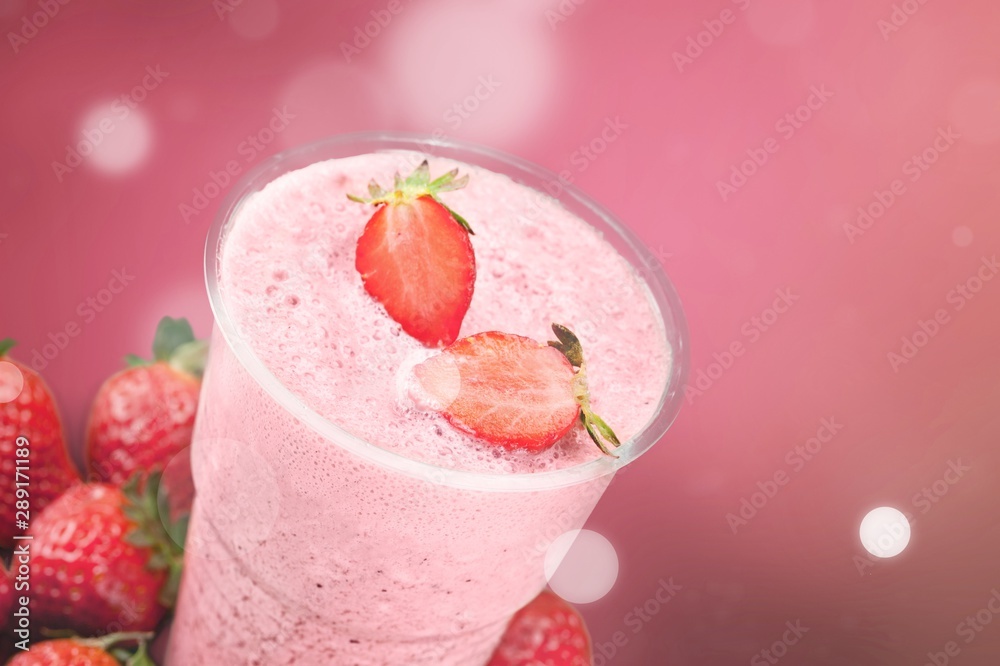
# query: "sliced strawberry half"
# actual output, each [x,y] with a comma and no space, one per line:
[415,256]
[546,632]
[513,391]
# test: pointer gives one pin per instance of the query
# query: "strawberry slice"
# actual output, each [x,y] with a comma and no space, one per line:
[513,391]
[546,632]
[415,256]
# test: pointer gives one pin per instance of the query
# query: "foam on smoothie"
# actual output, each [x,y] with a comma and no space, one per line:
[288,278]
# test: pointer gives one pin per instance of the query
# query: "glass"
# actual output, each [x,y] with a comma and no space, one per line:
[292,558]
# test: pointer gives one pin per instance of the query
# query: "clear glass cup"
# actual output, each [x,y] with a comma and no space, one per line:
[288,562]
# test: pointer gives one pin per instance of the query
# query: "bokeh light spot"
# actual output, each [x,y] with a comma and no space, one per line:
[961,236]
[975,111]
[471,70]
[330,97]
[114,137]
[885,532]
[11,382]
[581,566]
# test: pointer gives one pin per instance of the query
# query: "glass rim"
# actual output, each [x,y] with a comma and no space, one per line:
[651,273]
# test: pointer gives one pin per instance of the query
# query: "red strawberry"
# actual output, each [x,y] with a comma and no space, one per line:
[415,257]
[33,416]
[513,391]
[546,632]
[85,652]
[144,415]
[105,559]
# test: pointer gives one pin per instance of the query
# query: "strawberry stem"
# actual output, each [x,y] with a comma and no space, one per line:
[596,427]
[140,657]
[111,640]
[417,184]
[111,645]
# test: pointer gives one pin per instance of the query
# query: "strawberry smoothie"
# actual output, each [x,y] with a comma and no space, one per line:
[338,519]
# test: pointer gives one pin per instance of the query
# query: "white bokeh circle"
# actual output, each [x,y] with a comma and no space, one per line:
[975,111]
[581,566]
[327,97]
[114,137]
[11,382]
[961,236]
[471,70]
[885,532]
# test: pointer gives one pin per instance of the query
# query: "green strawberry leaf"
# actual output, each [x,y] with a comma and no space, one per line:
[417,184]
[568,344]
[171,334]
[458,218]
[6,345]
[191,357]
[149,508]
[141,657]
[135,361]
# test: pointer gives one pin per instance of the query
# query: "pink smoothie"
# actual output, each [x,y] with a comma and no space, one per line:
[302,552]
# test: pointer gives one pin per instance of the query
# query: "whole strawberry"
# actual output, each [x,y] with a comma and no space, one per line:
[31,437]
[143,416]
[86,652]
[415,256]
[512,391]
[546,632]
[105,559]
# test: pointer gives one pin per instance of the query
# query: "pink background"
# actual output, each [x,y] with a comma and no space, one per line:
[551,77]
